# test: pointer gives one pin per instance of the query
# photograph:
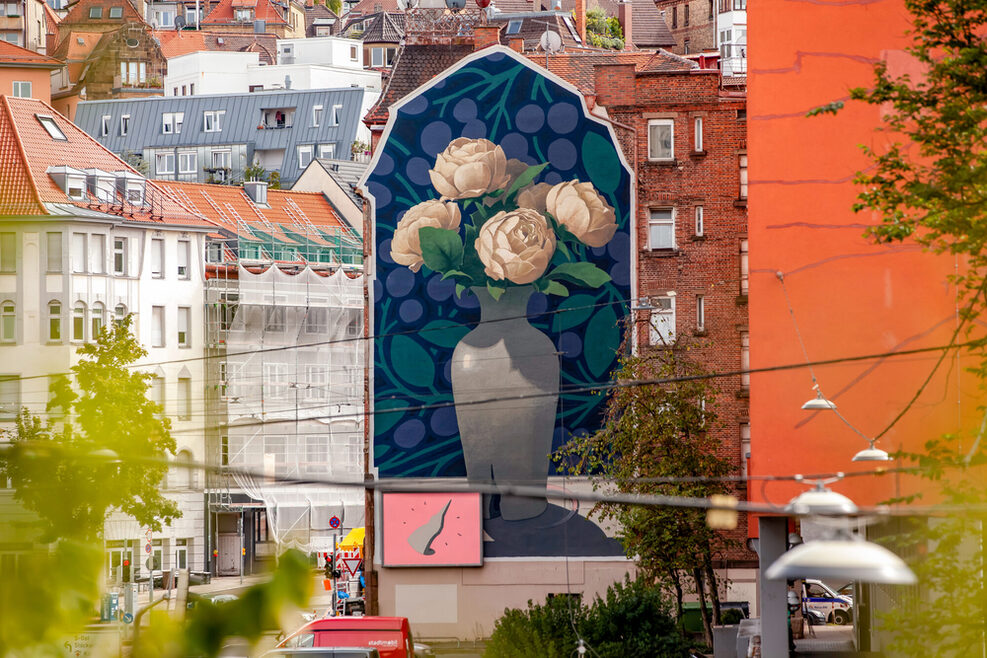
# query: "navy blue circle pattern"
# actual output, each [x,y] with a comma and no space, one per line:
[418,316]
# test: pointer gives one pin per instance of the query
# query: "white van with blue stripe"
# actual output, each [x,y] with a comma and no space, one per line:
[819,596]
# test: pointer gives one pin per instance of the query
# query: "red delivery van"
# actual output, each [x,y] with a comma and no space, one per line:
[391,636]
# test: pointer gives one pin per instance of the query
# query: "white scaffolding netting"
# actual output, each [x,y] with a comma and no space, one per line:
[293,386]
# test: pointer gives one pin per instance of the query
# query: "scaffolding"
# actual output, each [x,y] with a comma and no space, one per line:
[285,381]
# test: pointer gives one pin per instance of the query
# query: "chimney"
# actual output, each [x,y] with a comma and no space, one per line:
[257,191]
[517,44]
[580,10]
[486,35]
[624,17]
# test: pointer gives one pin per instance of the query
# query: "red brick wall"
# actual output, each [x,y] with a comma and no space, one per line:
[707,265]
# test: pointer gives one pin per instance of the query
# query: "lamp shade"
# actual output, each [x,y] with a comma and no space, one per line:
[819,403]
[842,559]
[821,501]
[871,454]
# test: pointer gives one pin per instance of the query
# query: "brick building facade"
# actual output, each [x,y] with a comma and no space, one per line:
[688,146]
[692,23]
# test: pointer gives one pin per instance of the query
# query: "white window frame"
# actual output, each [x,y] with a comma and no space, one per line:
[653,125]
[700,313]
[8,251]
[212,121]
[303,149]
[79,312]
[226,156]
[54,251]
[188,162]
[10,397]
[327,151]
[19,87]
[124,125]
[184,326]
[8,321]
[55,321]
[316,115]
[157,258]
[745,359]
[184,403]
[662,324]
[164,163]
[80,253]
[183,261]
[97,320]
[700,223]
[171,123]
[745,447]
[105,124]
[742,164]
[337,110]
[158,326]
[120,256]
[745,272]
[697,135]
[97,253]
[654,221]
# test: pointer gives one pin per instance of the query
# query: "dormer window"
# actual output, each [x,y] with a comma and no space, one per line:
[116,12]
[70,180]
[244,15]
[95,12]
[51,127]
[131,187]
[514,27]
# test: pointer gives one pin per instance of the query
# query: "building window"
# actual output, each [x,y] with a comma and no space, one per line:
[171,122]
[316,116]
[662,321]
[22,89]
[97,320]
[8,252]
[224,450]
[184,253]
[675,17]
[743,175]
[54,322]
[745,447]
[184,400]
[697,132]
[213,121]
[699,222]
[119,255]
[685,15]
[244,15]
[54,255]
[119,315]
[710,17]
[739,5]
[10,397]
[304,155]
[79,321]
[95,12]
[700,313]
[661,228]
[354,53]
[8,322]
[157,390]
[382,56]
[97,253]
[214,252]
[327,151]
[124,124]
[164,163]
[661,134]
[745,359]
[157,326]
[184,326]
[221,159]
[337,113]
[157,258]
[514,26]
[80,252]
[187,162]
[316,321]
[116,12]
[104,129]
[51,127]
[274,318]
[744,269]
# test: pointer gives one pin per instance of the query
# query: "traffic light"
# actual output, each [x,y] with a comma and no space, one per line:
[126,570]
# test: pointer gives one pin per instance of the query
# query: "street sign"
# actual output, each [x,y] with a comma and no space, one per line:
[147,535]
[334,522]
[128,618]
[352,564]
[147,548]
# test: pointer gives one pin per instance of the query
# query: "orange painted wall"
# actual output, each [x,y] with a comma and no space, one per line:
[850,296]
[40,80]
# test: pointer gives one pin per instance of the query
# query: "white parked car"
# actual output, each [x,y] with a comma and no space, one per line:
[817,595]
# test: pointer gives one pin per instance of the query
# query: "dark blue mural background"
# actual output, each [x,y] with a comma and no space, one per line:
[418,317]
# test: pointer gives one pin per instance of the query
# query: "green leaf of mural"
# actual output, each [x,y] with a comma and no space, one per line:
[456,274]
[380,450]
[441,248]
[601,163]
[601,341]
[459,290]
[573,312]
[442,333]
[525,178]
[411,362]
[556,288]
[472,265]
[384,420]
[495,291]
[584,274]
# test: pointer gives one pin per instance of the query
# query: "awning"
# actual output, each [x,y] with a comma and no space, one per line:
[353,540]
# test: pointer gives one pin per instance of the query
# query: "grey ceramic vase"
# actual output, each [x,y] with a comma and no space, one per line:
[506,440]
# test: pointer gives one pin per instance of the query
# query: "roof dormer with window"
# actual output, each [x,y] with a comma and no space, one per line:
[70,180]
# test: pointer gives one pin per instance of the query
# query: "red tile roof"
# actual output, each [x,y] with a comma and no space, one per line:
[184,42]
[299,213]
[366,7]
[79,13]
[27,151]
[13,55]
[223,13]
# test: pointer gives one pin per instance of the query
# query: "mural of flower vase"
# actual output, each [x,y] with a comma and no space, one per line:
[519,237]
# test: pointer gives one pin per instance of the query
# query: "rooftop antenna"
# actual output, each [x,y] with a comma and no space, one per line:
[550,42]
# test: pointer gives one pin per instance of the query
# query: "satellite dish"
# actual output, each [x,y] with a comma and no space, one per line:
[456,5]
[550,42]
[179,22]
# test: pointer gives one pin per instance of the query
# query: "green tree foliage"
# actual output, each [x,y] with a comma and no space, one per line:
[928,183]
[603,31]
[108,453]
[655,432]
[631,621]
[336,6]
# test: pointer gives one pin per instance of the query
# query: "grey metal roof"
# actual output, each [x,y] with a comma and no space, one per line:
[240,123]
[347,174]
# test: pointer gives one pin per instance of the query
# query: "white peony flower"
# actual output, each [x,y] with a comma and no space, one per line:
[469,168]
[581,209]
[516,246]
[405,245]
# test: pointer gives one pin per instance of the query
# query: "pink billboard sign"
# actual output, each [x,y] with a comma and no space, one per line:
[432,530]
